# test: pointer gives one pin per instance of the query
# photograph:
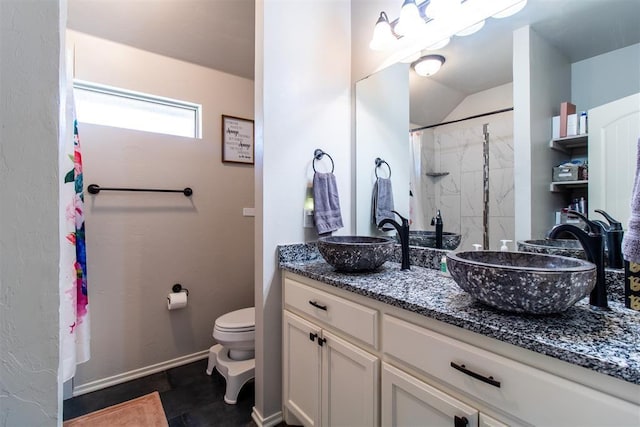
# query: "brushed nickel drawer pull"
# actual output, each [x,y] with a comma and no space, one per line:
[463,369]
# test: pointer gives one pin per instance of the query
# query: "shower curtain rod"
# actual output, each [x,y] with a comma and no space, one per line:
[504,110]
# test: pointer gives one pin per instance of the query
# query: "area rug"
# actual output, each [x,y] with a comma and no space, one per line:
[145,411]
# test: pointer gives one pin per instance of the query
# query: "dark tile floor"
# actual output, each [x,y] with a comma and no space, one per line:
[189,397]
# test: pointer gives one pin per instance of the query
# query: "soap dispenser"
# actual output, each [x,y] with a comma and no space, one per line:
[504,247]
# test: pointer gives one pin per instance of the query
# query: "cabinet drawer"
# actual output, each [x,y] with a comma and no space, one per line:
[510,386]
[353,319]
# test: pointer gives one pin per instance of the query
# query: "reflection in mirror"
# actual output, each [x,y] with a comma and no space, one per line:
[467,174]
[382,126]
[546,55]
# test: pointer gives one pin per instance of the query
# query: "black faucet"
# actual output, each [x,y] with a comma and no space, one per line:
[403,234]
[592,242]
[437,221]
[614,233]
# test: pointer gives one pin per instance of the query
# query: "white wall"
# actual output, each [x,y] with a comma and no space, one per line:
[382,125]
[31,70]
[497,98]
[140,244]
[542,80]
[303,98]
[605,78]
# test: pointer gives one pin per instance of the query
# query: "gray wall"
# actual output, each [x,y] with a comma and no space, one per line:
[541,81]
[30,72]
[605,78]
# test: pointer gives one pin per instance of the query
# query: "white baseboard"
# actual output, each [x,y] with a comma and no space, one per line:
[138,373]
[270,421]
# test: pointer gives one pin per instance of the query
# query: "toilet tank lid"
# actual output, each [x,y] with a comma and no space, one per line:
[242,318]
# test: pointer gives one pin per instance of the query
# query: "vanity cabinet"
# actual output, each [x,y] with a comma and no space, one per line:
[488,380]
[407,401]
[353,360]
[327,380]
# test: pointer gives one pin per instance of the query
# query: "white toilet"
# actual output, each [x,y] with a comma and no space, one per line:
[234,355]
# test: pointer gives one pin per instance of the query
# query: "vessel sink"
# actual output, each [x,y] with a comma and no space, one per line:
[522,282]
[356,253]
[562,247]
[427,239]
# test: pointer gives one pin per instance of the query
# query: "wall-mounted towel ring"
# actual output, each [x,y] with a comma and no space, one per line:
[380,162]
[319,154]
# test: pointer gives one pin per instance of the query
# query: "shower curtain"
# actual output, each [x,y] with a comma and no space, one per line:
[74,302]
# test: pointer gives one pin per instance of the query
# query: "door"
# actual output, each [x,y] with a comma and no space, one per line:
[407,401]
[349,384]
[301,365]
[614,130]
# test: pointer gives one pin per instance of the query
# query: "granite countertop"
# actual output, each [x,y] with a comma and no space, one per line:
[604,341]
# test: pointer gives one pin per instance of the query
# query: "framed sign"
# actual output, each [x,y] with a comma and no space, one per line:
[237,140]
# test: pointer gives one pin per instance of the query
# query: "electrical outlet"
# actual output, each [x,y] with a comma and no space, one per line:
[307,218]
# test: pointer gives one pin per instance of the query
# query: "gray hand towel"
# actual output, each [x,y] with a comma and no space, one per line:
[631,239]
[382,203]
[326,203]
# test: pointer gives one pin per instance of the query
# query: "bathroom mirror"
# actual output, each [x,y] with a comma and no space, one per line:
[476,80]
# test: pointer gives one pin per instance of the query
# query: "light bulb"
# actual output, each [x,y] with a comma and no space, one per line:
[438,9]
[383,37]
[410,20]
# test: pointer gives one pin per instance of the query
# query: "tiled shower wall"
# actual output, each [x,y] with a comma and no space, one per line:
[457,149]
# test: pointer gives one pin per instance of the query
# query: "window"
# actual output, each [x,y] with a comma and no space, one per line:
[109,106]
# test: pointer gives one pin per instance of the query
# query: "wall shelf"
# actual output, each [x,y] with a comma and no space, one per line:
[436,174]
[558,186]
[568,143]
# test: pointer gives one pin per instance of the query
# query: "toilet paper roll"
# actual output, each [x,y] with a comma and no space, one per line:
[176,300]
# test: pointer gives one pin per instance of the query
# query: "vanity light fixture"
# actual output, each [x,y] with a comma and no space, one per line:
[511,10]
[471,29]
[383,37]
[428,65]
[439,45]
[410,21]
[427,24]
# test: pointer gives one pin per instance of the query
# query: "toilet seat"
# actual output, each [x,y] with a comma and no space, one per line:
[242,320]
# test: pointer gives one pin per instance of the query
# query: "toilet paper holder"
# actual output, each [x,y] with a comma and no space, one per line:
[178,288]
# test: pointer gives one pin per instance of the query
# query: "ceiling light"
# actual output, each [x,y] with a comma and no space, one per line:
[428,65]
[410,20]
[471,29]
[383,37]
[511,10]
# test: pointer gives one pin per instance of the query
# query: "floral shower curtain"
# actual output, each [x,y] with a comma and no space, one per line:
[74,302]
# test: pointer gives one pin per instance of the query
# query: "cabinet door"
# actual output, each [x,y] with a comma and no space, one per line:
[407,401]
[349,384]
[301,368]
[487,421]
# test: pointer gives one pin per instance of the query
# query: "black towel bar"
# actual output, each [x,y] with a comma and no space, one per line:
[95,189]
